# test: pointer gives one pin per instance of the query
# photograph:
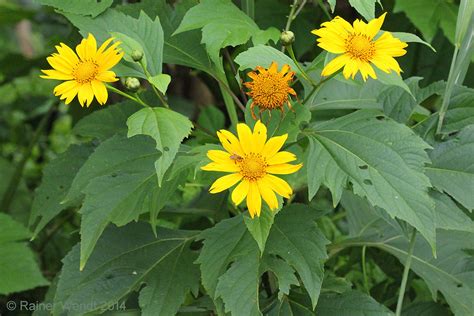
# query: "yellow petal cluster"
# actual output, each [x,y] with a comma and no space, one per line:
[252,161]
[84,71]
[358,48]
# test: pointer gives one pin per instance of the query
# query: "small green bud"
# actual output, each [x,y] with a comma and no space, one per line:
[137,55]
[132,84]
[287,38]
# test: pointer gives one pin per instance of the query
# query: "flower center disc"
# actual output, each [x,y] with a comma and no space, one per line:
[270,91]
[252,166]
[85,71]
[360,47]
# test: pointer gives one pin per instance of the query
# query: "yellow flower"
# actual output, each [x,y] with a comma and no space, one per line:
[269,89]
[358,47]
[85,72]
[252,161]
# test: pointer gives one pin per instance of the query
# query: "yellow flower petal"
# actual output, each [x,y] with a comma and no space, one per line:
[106,76]
[214,166]
[254,200]
[259,136]
[100,91]
[240,192]
[56,75]
[268,195]
[374,26]
[225,182]
[230,142]
[334,65]
[273,145]
[245,137]
[59,65]
[281,157]
[284,168]
[280,186]
[219,156]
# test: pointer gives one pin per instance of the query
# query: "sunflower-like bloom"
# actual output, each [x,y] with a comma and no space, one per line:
[269,89]
[252,161]
[84,73]
[358,48]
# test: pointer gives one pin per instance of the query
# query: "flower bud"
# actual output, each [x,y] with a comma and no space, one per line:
[287,38]
[137,55]
[132,84]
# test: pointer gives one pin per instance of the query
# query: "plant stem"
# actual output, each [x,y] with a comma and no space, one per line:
[403,285]
[223,85]
[303,73]
[447,96]
[364,270]
[158,93]
[248,6]
[325,10]
[128,96]
[17,175]
[235,72]
[294,11]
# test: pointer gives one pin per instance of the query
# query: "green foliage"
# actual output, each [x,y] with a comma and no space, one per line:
[18,266]
[87,7]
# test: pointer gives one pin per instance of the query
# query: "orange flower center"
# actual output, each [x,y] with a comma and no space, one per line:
[252,166]
[269,90]
[85,71]
[360,47]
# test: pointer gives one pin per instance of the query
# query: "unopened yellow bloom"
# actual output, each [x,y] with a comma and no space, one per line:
[270,88]
[252,162]
[358,47]
[85,72]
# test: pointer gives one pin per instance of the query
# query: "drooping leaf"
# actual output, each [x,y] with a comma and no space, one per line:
[18,267]
[85,7]
[284,273]
[124,259]
[295,237]
[161,82]
[383,160]
[452,168]
[262,55]
[365,7]
[259,227]
[399,104]
[411,38]
[450,216]
[351,303]
[166,127]
[57,179]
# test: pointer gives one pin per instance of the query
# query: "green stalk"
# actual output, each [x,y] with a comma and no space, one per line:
[248,6]
[128,96]
[364,270]
[403,285]
[17,175]
[158,93]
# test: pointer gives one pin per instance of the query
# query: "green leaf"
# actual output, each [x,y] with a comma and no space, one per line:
[105,123]
[119,183]
[18,267]
[428,15]
[57,179]
[449,216]
[460,111]
[129,45]
[452,169]
[225,243]
[259,227]
[365,7]
[392,79]
[351,303]
[262,55]
[411,38]
[397,103]
[296,238]
[124,259]
[450,273]
[84,7]
[166,127]
[284,273]
[223,24]
[144,31]
[383,160]
[161,82]
[425,309]
[211,118]
[332,5]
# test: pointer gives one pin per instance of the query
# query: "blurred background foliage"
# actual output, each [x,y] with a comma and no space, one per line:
[28,33]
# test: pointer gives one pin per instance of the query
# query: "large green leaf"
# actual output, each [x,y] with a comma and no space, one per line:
[351,303]
[145,31]
[223,24]
[259,227]
[452,169]
[105,123]
[18,267]
[57,179]
[365,7]
[119,183]
[166,127]
[399,104]
[262,55]
[84,7]
[449,215]
[383,160]
[124,259]
[296,238]
[450,273]
[428,15]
